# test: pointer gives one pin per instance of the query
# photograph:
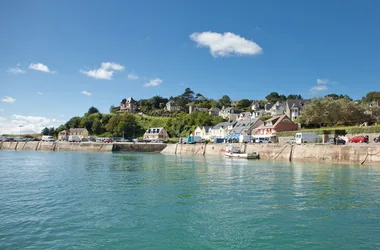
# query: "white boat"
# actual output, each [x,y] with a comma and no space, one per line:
[232,152]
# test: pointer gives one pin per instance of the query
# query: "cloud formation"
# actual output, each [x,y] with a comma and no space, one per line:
[153,82]
[133,77]
[226,44]
[8,99]
[322,81]
[16,70]
[105,71]
[26,124]
[320,86]
[41,67]
[39,93]
[86,93]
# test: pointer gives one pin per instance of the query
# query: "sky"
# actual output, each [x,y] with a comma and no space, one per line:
[58,58]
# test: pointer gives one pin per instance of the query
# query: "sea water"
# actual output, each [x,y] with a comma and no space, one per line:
[73,200]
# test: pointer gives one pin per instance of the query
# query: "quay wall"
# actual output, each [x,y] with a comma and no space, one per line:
[139,147]
[366,154]
[57,146]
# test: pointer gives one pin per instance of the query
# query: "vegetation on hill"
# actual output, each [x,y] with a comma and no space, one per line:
[133,126]
[336,111]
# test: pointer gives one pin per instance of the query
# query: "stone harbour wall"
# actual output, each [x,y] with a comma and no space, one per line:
[366,154]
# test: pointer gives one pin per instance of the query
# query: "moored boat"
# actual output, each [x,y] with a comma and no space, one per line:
[232,152]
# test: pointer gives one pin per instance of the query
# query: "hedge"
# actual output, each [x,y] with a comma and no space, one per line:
[321,131]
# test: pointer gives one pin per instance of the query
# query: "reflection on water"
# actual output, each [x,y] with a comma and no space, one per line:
[100,201]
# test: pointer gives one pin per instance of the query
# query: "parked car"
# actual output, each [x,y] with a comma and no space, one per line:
[376,139]
[108,140]
[338,141]
[357,139]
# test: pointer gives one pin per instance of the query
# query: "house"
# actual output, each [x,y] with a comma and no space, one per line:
[64,136]
[278,108]
[276,124]
[268,107]
[128,105]
[259,113]
[214,111]
[194,109]
[375,104]
[229,113]
[221,130]
[203,132]
[293,108]
[246,126]
[234,103]
[156,134]
[171,106]
[244,115]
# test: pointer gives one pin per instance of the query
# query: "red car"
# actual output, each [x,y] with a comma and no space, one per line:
[357,139]
[107,140]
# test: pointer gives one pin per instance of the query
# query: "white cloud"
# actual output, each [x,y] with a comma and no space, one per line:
[16,70]
[8,99]
[225,44]
[2,119]
[39,93]
[40,67]
[105,71]
[132,77]
[318,88]
[153,82]
[86,93]
[29,124]
[1,110]
[61,115]
[322,81]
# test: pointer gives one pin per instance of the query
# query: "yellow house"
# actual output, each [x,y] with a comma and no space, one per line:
[203,131]
[63,136]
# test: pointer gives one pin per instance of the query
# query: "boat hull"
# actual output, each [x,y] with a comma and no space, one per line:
[241,156]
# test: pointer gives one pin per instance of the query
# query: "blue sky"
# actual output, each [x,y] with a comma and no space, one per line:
[59,58]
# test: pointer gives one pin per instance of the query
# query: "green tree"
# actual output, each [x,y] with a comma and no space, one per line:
[372,96]
[294,97]
[45,131]
[96,127]
[225,101]
[74,122]
[244,104]
[274,97]
[92,110]
[328,111]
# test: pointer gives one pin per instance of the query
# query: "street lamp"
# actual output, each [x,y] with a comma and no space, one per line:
[250,130]
[20,126]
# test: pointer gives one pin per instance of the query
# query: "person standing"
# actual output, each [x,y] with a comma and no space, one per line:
[366,139]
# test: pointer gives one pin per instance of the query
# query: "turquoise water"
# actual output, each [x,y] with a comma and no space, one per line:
[62,200]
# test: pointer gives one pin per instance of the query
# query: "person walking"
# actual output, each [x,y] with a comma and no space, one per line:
[366,139]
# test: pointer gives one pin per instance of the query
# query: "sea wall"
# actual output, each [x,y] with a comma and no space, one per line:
[366,154]
[139,147]
[57,146]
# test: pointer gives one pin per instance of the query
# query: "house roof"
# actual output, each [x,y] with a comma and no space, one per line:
[276,119]
[295,103]
[268,106]
[207,128]
[150,130]
[201,109]
[214,109]
[224,124]
[129,100]
[242,125]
